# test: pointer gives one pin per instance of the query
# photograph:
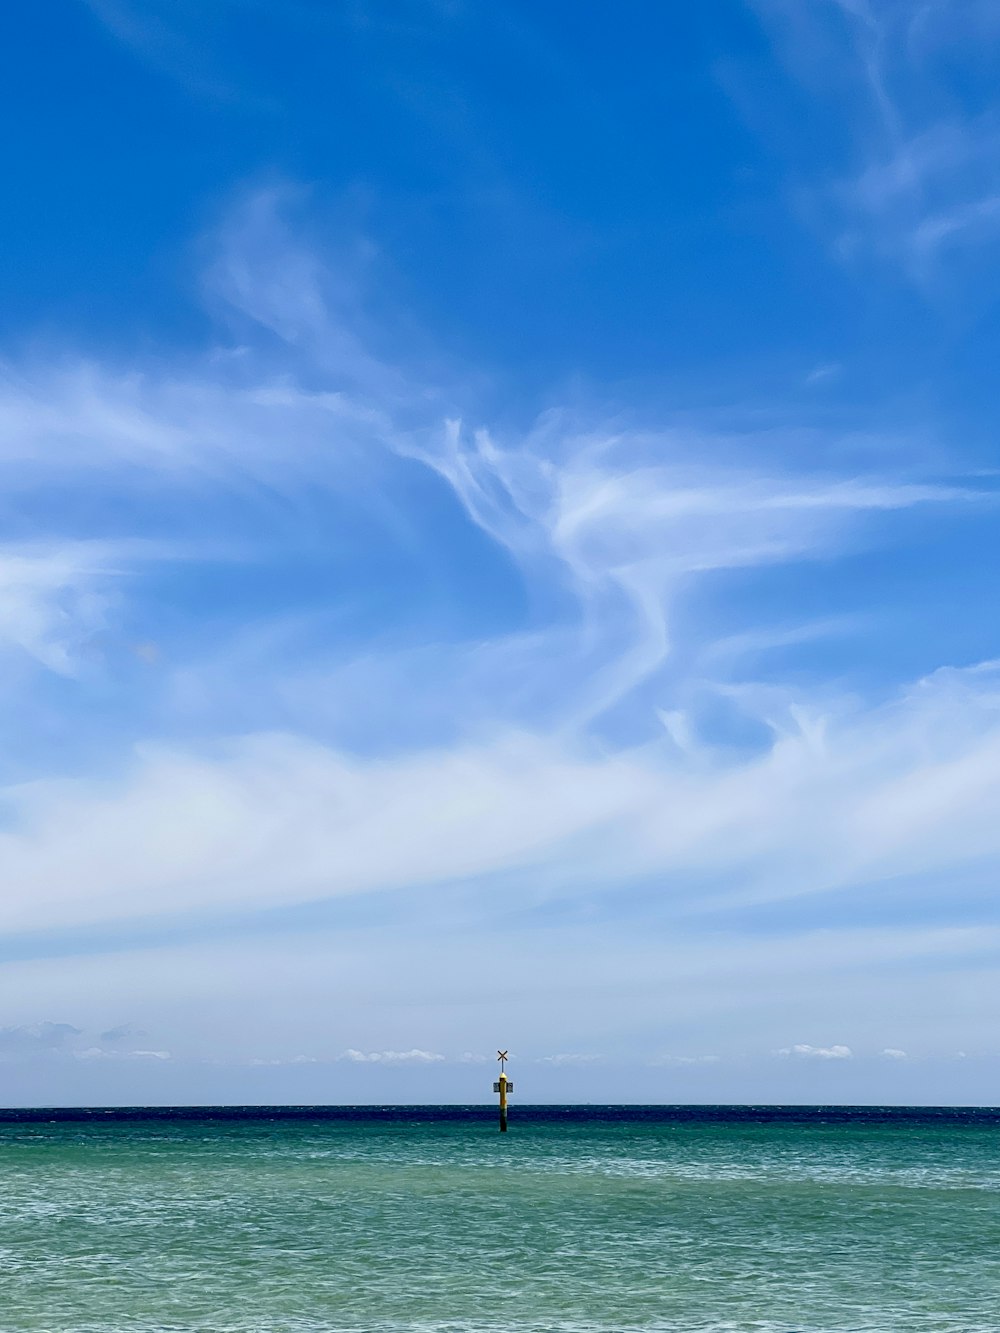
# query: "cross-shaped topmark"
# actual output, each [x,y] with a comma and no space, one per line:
[503,1057]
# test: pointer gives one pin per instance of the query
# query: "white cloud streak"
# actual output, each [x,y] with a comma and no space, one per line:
[272,820]
[807,1052]
[100,1053]
[412,1057]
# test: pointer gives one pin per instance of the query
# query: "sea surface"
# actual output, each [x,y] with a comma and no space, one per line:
[427,1220]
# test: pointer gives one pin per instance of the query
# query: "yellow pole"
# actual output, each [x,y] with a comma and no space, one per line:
[503,1085]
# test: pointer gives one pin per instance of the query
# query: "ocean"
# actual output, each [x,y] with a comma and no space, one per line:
[426,1220]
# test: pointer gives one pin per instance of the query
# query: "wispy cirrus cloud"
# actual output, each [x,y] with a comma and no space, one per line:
[560,693]
[173,39]
[611,529]
[52,599]
[911,174]
[58,595]
[827,803]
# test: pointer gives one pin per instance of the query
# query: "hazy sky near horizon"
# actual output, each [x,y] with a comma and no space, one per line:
[498,545]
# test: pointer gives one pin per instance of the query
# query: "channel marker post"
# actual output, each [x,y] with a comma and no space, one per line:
[503,1085]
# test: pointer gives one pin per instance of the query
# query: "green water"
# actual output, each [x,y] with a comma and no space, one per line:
[611,1223]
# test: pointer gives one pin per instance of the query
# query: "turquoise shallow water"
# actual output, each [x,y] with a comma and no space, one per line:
[600,1219]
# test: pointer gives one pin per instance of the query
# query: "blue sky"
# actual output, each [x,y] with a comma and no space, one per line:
[497,546]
